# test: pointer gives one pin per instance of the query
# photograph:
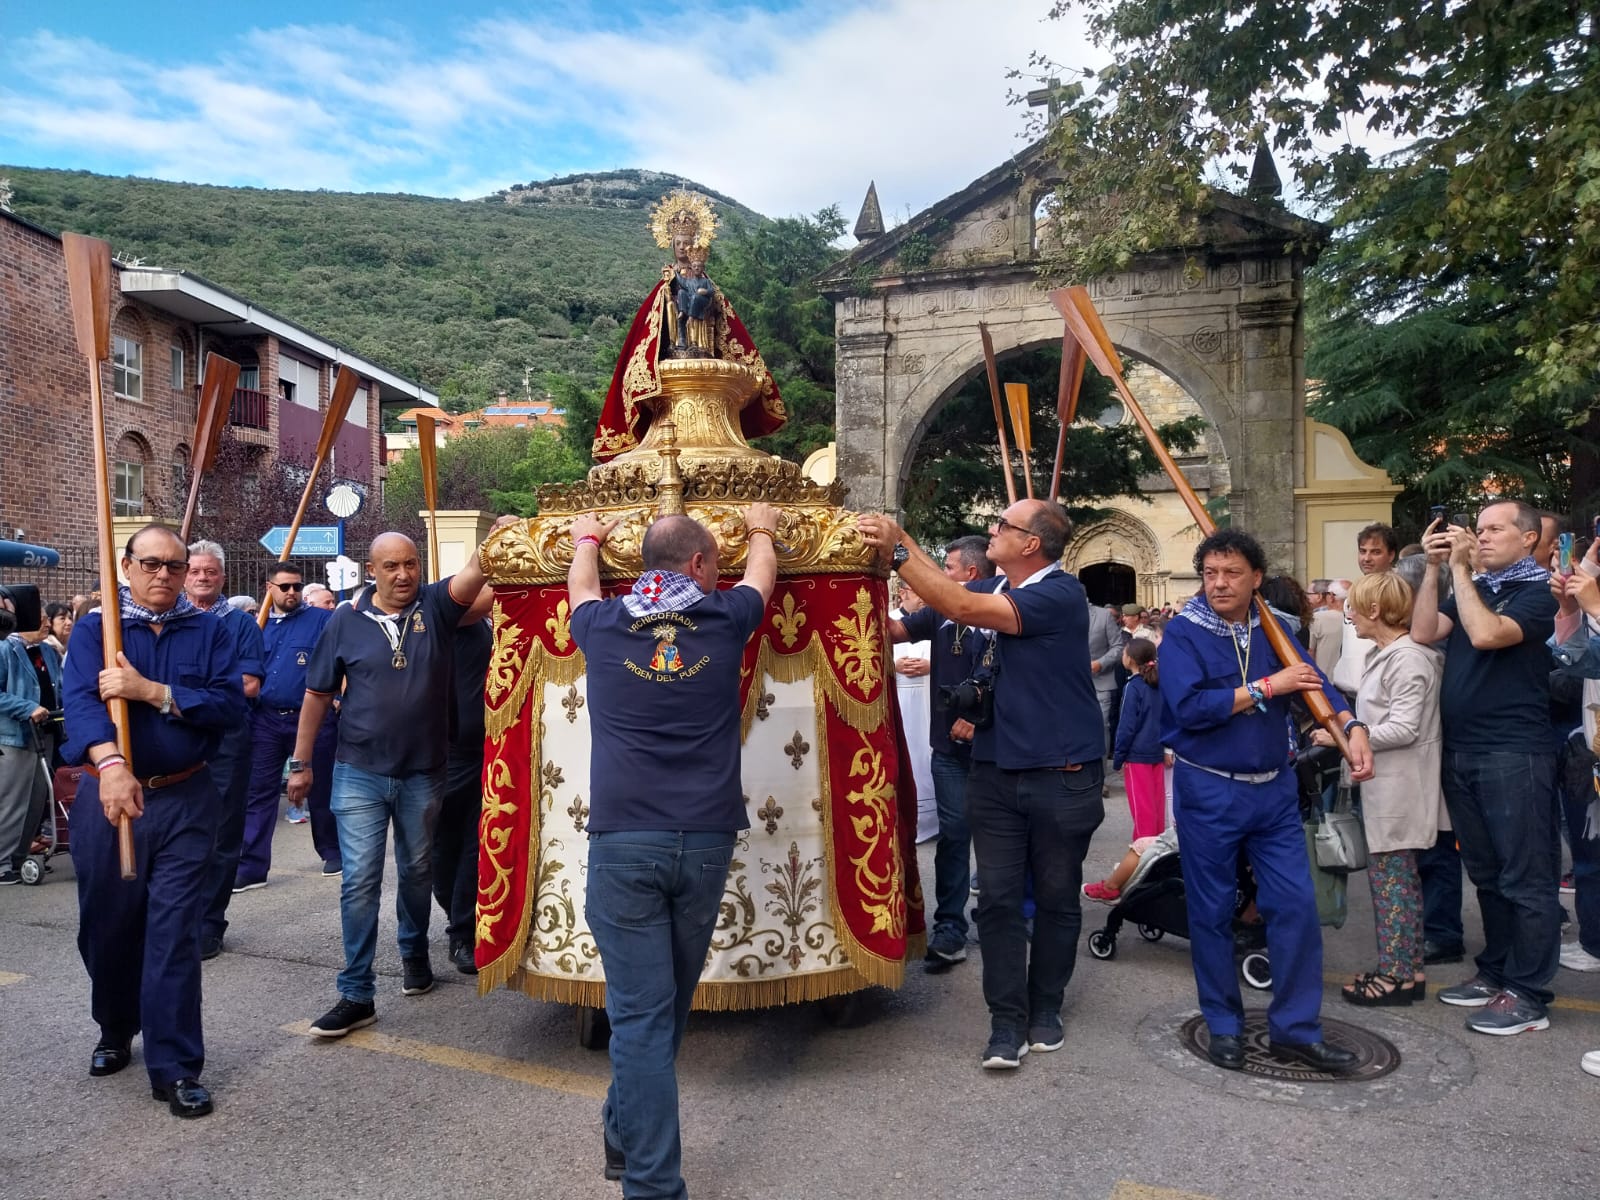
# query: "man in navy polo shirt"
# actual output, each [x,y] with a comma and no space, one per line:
[293,629]
[1033,797]
[140,939]
[1499,767]
[956,650]
[666,804]
[393,653]
[1225,715]
[230,763]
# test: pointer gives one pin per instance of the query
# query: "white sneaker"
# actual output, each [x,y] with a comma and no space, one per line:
[1591,1062]
[1575,958]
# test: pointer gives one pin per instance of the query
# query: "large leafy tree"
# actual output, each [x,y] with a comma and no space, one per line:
[1475,235]
[498,468]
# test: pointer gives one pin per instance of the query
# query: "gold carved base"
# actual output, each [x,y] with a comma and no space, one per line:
[693,459]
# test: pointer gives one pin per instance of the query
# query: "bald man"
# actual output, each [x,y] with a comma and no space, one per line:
[392,654]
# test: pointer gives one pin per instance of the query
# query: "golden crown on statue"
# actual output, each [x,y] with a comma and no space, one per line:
[683,213]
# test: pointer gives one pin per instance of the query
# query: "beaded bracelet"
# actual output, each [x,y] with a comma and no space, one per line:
[760,529]
[110,760]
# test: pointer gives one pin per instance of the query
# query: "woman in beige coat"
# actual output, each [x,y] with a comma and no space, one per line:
[1402,803]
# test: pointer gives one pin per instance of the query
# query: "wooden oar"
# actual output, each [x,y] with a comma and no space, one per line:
[89,289]
[999,418]
[1084,323]
[1022,427]
[1073,361]
[429,453]
[344,387]
[216,397]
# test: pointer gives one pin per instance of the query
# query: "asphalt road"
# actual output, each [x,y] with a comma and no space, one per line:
[453,1094]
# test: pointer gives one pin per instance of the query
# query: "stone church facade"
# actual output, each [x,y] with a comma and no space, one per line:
[1218,329]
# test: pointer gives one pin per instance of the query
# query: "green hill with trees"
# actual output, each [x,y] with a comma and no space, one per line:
[471,297]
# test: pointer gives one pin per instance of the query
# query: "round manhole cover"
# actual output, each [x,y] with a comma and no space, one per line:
[1375,1056]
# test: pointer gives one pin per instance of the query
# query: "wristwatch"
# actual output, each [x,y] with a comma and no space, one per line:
[298,764]
[900,555]
[165,707]
[1349,725]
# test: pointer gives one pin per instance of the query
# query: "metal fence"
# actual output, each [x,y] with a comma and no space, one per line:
[79,572]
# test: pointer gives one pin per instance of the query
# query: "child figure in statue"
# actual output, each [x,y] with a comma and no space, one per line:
[695,298]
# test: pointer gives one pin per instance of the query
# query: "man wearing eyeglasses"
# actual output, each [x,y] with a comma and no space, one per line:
[230,765]
[140,939]
[292,631]
[1033,796]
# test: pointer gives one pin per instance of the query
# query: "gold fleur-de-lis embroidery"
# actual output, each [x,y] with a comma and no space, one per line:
[858,656]
[552,775]
[560,628]
[764,705]
[572,702]
[770,812]
[788,621]
[579,812]
[797,749]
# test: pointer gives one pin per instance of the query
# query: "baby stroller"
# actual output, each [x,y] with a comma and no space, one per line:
[61,787]
[1153,899]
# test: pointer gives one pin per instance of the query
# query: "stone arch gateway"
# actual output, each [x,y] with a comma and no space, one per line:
[1224,319]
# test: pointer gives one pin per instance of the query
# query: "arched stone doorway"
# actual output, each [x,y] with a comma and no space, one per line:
[907,305]
[1119,561]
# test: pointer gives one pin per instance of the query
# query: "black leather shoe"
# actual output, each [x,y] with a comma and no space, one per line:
[210,947]
[461,955]
[1226,1051]
[1433,953]
[1315,1054]
[616,1164]
[110,1057]
[185,1097]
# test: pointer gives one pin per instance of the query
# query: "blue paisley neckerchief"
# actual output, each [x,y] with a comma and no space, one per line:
[1524,570]
[128,609]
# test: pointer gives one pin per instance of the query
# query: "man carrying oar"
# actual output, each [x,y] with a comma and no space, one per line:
[140,938]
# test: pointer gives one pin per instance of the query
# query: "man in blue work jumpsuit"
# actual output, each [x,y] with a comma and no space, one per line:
[1225,715]
[230,763]
[293,630]
[140,939]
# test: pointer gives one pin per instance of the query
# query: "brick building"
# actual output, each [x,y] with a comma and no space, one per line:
[163,323]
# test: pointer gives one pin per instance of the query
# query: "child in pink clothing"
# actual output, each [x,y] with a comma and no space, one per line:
[1138,753]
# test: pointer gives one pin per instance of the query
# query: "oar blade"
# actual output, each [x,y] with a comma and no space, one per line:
[89,290]
[344,389]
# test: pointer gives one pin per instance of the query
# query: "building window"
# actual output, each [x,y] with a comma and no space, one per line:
[128,490]
[358,408]
[250,377]
[127,368]
[177,368]
[298,382]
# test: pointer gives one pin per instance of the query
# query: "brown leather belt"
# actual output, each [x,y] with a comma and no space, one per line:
[158,781]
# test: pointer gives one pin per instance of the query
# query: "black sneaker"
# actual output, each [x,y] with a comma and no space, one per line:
[418,976]
[9,876]
[1046,1034]
[343,1017]
[332,870]
[616,1162]
[1509,1013]
[945,952]
[210,947]
[1005,1052]
[462,956]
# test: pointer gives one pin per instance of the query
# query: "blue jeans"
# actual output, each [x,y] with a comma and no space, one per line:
[1503,807]
[363,805]
[1440,869]
[952,853]
[652,906]
[1030,824]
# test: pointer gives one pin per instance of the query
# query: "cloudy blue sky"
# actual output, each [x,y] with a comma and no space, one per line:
[785,105]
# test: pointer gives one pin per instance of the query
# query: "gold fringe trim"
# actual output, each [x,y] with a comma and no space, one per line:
[864,716]
[509,964]
[712,995]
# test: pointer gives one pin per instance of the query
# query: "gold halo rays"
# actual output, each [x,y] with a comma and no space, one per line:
[683,211]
